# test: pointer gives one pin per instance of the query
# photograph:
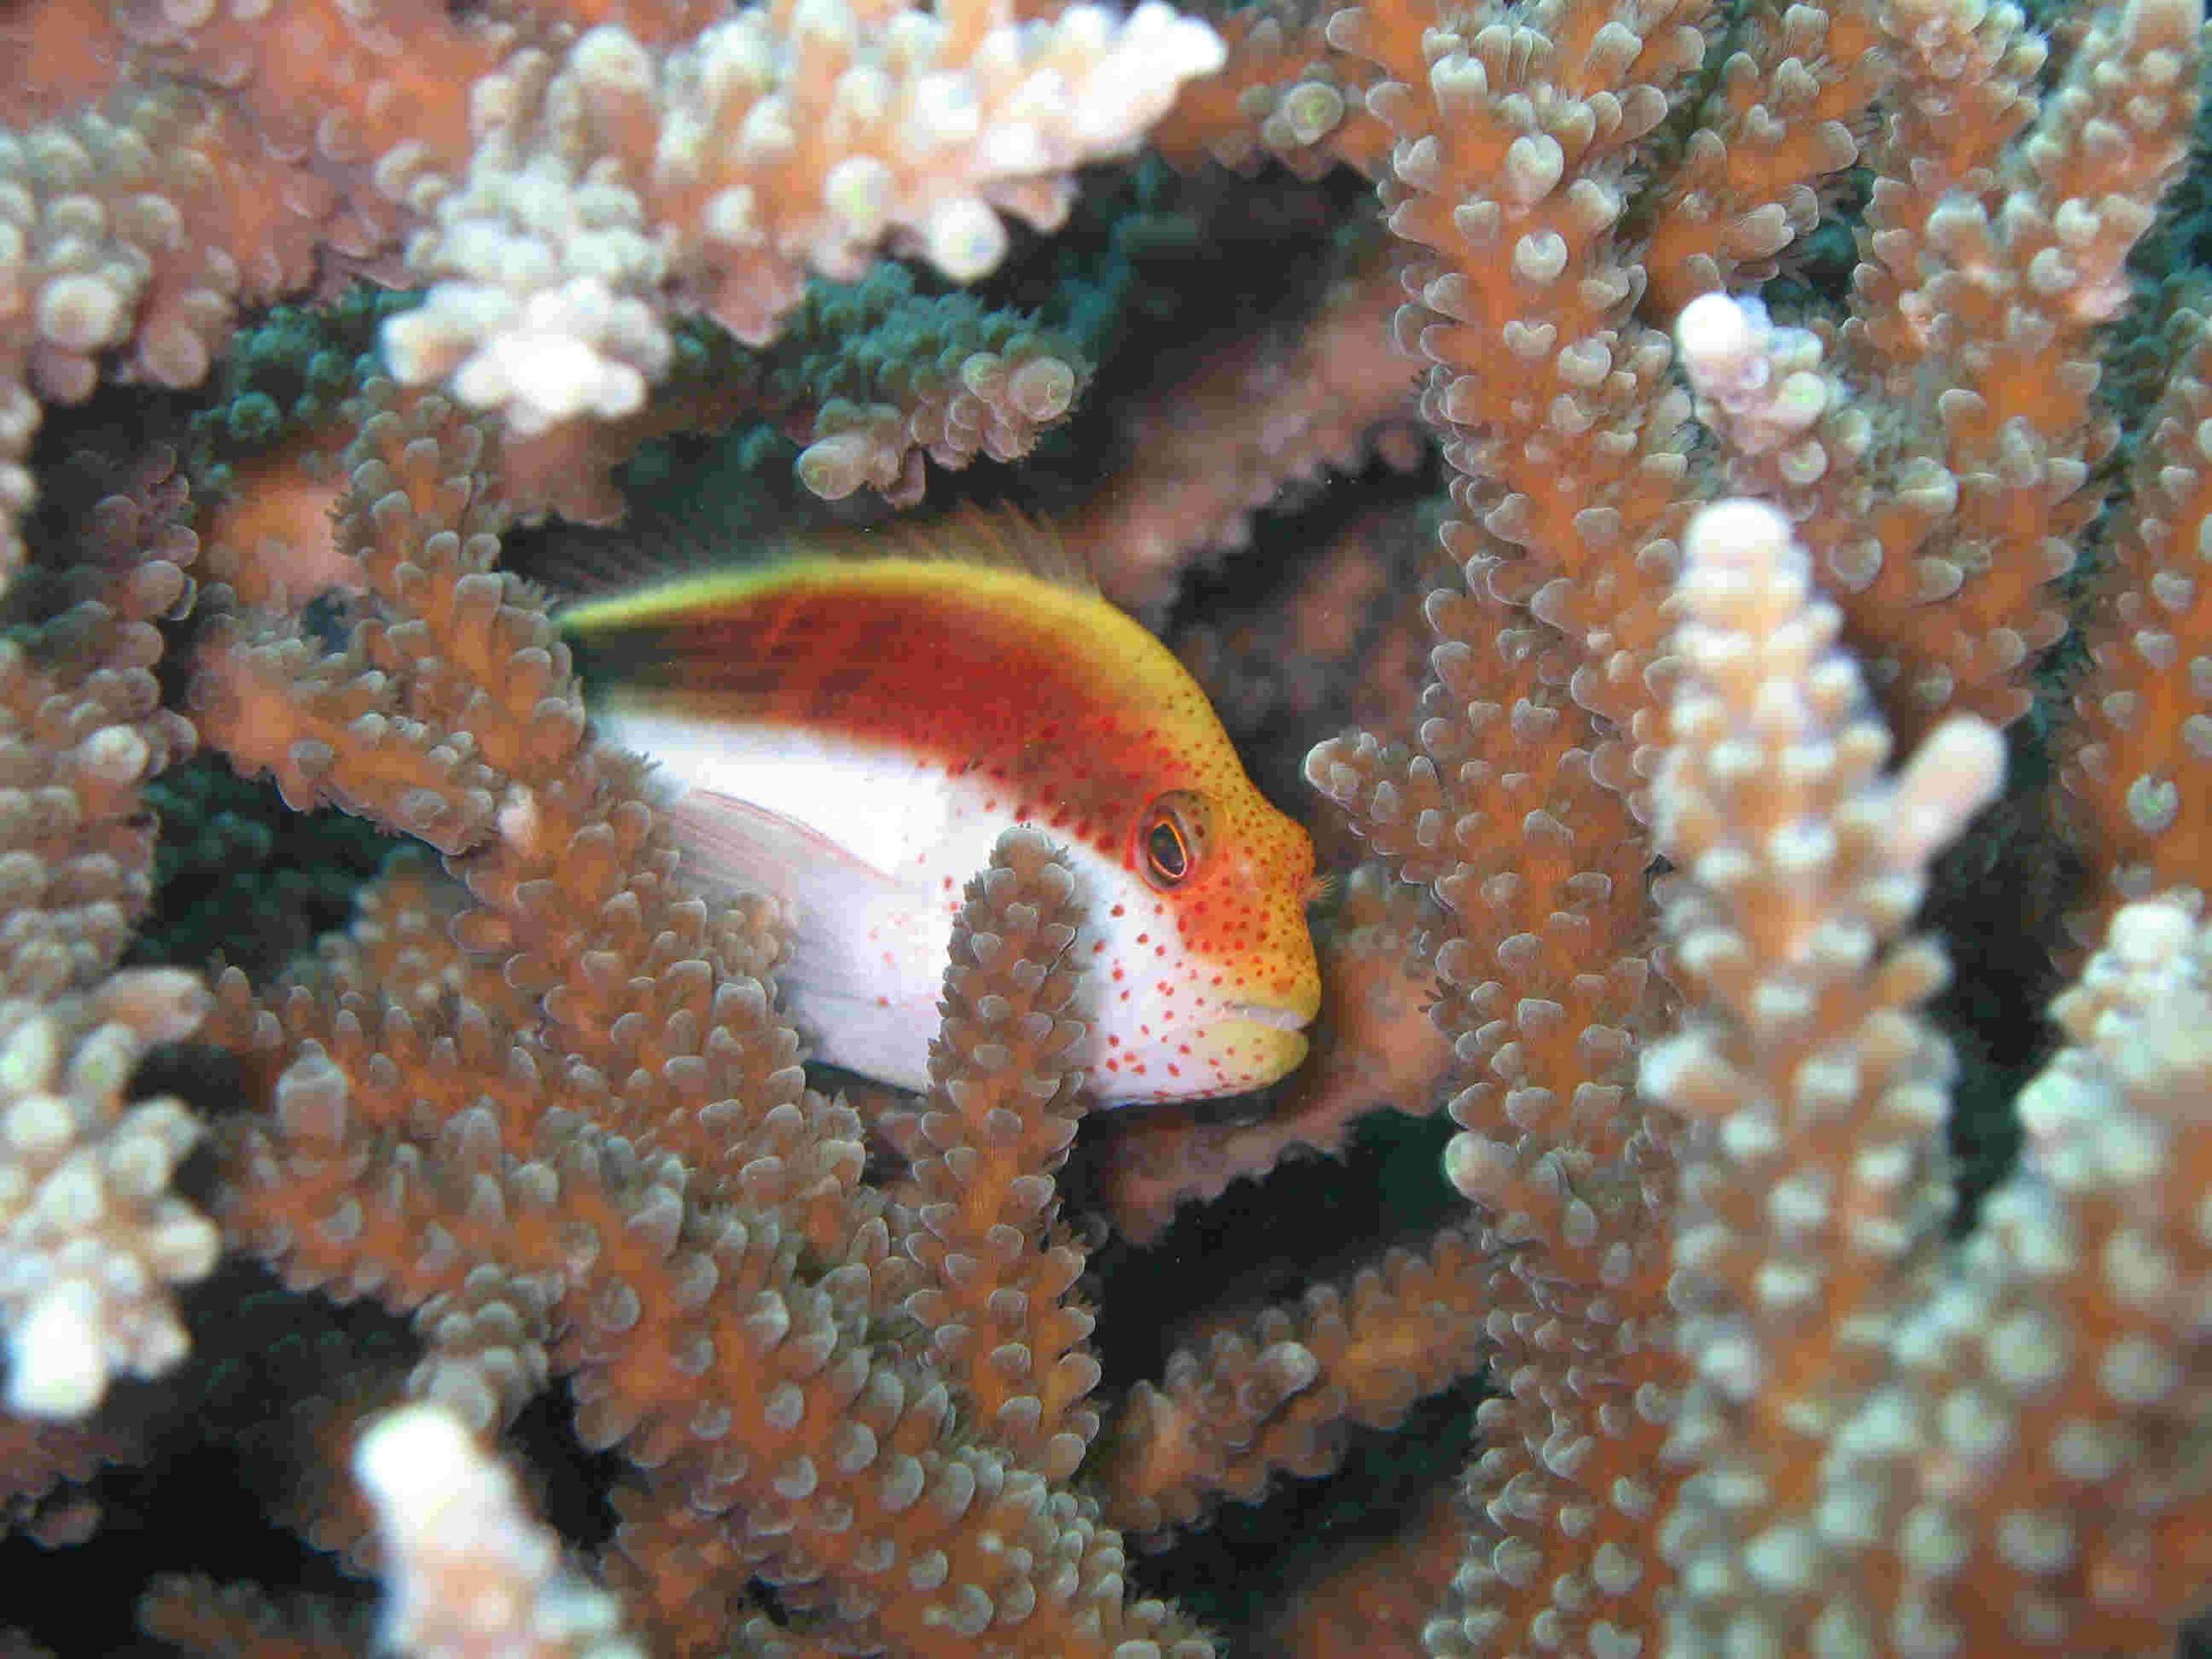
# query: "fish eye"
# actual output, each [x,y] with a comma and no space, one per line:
[1165,852]
[1171,838]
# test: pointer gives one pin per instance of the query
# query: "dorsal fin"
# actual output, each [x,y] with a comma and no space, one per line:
[991,537]
[591,591]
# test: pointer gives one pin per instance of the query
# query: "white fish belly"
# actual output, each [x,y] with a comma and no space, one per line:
[869,848]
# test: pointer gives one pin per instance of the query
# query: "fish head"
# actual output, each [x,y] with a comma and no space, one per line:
[1203,970]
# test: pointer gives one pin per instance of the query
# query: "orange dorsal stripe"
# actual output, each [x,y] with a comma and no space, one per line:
[1069,703]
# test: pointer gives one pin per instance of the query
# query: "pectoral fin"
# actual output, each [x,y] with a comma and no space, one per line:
[865,952]
[734,844]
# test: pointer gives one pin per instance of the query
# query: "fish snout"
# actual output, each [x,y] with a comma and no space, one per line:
[1273,1026]
[1282,1015]
[1288,1000]
[1258,1043]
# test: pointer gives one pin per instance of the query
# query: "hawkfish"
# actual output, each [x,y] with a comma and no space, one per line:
[851,733]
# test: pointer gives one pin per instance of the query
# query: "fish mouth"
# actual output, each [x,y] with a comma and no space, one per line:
[1270,1014]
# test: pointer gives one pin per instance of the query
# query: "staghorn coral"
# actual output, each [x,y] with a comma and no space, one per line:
[91,1237]
[473,1572]
[555,184]
[544,1109]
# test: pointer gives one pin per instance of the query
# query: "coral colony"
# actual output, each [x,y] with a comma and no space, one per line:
[1768,560]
